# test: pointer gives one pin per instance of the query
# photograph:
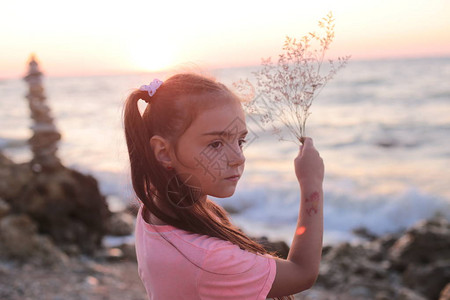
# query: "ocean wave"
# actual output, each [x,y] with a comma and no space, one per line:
[344,210]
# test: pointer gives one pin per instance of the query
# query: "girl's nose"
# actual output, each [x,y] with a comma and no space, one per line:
[236,156]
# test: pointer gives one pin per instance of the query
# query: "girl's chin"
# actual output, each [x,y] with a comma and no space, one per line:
[223,194]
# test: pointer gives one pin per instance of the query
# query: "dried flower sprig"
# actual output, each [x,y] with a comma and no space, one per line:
[287,90]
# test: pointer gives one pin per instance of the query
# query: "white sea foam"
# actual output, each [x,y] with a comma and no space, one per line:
[272,211]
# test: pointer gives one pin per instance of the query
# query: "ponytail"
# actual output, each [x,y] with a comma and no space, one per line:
[138,143]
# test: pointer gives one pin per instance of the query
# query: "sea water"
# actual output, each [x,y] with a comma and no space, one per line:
[382,128]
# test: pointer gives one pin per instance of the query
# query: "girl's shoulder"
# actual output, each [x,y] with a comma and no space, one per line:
[215,261]
[210,246]
[144,220]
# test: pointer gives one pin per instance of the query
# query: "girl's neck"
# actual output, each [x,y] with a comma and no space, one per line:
[152,219]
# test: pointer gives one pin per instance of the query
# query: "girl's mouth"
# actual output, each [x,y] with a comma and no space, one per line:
[233,178]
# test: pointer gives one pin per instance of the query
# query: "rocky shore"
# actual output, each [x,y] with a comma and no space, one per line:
[414,264]
[52,228]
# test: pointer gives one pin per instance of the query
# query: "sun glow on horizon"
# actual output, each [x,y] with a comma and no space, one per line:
[153,37]
[149,58]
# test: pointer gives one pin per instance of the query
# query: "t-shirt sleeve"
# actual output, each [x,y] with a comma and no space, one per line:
[232,273]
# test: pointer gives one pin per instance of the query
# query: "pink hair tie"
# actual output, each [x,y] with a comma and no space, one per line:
[152,87]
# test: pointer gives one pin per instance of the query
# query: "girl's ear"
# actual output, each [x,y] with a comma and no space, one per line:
[161,147]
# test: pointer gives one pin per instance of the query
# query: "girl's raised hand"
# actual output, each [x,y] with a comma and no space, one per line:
[309,167]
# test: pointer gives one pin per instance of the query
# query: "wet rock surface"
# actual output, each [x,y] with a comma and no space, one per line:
[64,204]
[19,240]
[81,278]
[120,224]
[410,265]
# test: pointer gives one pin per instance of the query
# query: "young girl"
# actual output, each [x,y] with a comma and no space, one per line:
[187,145]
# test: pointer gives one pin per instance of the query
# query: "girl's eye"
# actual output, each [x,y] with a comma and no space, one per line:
[242,142]
[215,145]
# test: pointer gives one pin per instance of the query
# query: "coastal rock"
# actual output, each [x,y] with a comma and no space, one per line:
[5,160]
[123,252]
[13,178]
[430,279]
[4,208]
[280,247]
[407,294]
[364,233]
[19,239]
[65,204]
[351,266]
[414,264]
[16,234]
[120,224]
[43,203]
[422,253]
[129,251]
[426,242]
[383,244]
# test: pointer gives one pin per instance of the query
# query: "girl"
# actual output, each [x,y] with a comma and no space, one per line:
[188,145]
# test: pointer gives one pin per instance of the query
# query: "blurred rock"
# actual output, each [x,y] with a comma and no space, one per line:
[4,161]
[351,265]
[113,254]
[407,294]
[428,279]
[422,253]
[123,252]
[120,224]
[426,242]
[83,278]
[64,203]
[281,248]
[364,233]
[129,252]
[17,235]
[4,208]
[414,264]
[19,239]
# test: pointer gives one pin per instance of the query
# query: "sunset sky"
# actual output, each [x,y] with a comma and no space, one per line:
[104,37]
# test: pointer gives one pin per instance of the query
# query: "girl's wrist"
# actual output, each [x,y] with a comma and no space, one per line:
[311,185]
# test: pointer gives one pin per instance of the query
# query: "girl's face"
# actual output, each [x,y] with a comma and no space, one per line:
[210,152]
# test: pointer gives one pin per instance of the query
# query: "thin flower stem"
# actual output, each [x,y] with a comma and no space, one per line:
[295,82]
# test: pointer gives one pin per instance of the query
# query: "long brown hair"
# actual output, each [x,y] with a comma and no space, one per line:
[170,111]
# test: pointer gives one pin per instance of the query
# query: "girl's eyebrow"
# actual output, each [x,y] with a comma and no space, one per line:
[227,133]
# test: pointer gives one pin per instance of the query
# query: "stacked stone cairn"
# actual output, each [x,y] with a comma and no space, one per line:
[44,142]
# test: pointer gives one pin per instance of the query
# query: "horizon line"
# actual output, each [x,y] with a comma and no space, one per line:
[166,70]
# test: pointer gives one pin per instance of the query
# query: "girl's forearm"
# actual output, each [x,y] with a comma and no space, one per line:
[306,248]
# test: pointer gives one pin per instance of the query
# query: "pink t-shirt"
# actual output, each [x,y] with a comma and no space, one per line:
[167,274]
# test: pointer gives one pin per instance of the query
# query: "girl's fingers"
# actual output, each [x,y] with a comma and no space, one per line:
[308,142]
